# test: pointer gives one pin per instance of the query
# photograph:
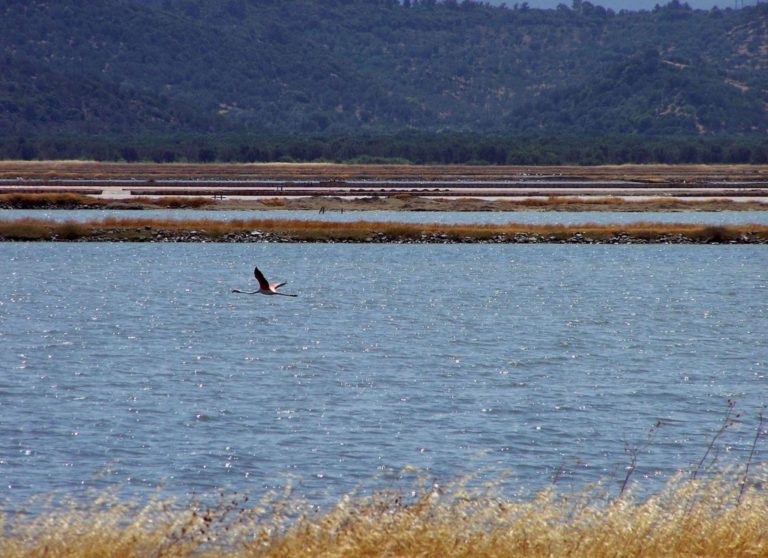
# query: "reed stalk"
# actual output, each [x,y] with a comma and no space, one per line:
[712,517]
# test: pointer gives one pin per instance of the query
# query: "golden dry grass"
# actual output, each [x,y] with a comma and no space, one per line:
[322,231]
[48,200]
[687,518]
[170,202]
[68,200]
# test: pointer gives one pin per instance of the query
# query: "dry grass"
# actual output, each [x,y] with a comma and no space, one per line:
[409,202]
[62,200]
[274,203]
[687,518]
[26,229]
[171,202]
[616,203]
[323,231]
[49,200]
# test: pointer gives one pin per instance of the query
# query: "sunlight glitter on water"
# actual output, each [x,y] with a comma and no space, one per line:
[135,365]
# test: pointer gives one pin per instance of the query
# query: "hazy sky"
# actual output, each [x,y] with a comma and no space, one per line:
[627,4]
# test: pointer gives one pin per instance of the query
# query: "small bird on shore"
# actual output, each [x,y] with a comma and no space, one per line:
[265,287]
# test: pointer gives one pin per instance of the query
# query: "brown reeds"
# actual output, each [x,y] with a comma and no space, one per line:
[171,202]
[617,203]
[365,231]
[70,200]
[55,200]
[687,518]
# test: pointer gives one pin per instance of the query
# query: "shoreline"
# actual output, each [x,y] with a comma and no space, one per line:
[404,202]
[365,232]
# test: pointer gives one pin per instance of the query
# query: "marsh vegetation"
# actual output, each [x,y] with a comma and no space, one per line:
[295,230]
[401,202]
[705,517]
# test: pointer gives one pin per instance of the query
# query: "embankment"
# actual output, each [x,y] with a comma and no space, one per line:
[273,230]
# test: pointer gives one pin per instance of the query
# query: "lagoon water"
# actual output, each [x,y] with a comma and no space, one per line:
[135,366]
[455,217]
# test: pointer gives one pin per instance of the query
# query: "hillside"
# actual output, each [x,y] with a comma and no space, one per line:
[140,68]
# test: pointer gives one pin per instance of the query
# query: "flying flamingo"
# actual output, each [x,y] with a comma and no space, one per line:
[265,287]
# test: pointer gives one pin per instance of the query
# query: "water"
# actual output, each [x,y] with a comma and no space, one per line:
[448,217]
[134,365]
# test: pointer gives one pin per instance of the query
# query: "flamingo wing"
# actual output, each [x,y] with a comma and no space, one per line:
[263,283]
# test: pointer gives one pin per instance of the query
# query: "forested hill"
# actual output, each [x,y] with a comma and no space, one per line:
[144,67]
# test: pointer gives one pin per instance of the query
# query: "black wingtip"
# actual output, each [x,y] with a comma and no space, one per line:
[260,278]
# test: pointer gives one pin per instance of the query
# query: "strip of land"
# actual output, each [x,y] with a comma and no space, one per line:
[77,185]
[402,202]
[288,230]
[401,187]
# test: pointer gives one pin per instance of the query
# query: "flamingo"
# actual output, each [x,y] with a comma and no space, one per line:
[265,287]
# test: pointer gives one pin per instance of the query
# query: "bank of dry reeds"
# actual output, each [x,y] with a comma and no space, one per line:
[618,203]
[70,200]
[29,229]
[50,200]
[711,517]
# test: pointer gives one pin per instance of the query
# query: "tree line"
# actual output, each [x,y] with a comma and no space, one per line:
[407,147]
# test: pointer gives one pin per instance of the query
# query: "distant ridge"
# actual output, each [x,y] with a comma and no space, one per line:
[151,68]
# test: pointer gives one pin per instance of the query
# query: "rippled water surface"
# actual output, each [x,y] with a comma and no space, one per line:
[134,365]
[457,217]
